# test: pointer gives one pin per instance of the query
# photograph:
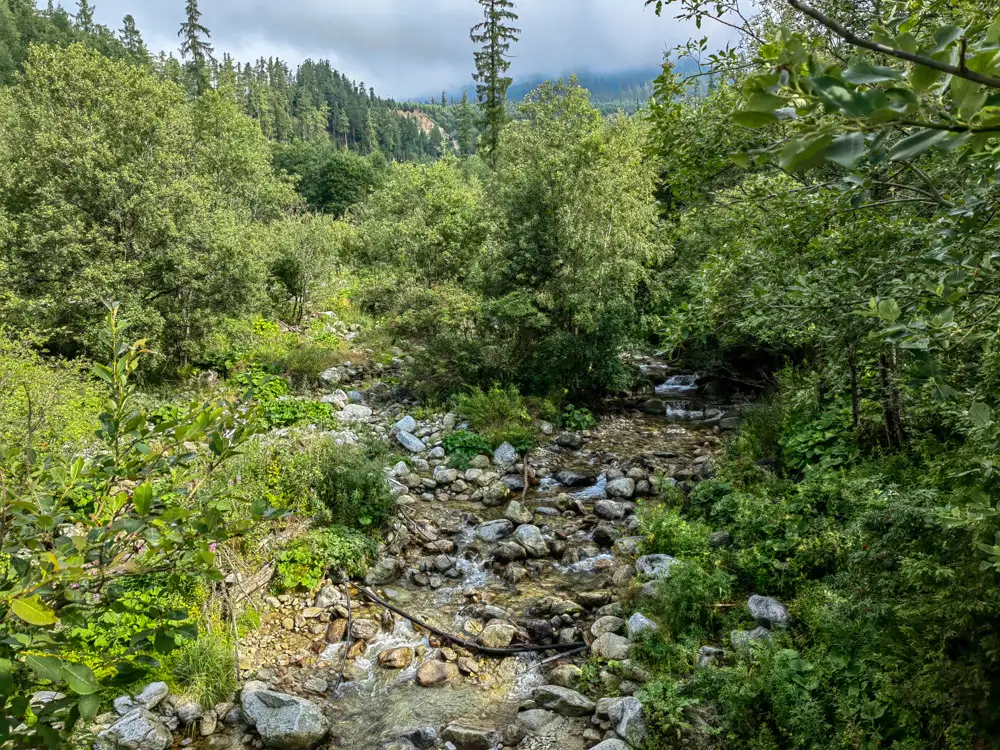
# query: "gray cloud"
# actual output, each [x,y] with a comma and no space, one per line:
[406,48]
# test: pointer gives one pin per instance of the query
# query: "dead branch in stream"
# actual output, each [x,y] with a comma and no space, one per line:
[464,643]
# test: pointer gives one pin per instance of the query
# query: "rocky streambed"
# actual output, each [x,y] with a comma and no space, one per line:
[536,550]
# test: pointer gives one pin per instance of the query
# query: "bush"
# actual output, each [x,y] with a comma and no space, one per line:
[665,710]
[576,420]
[351,485]
[500,414]
[667,533]
[685,602]
[307,560]
[463,446]
[204,670]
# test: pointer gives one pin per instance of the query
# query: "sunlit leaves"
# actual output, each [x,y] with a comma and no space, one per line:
[33,611]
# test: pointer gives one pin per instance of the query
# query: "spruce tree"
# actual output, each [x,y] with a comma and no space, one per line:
[466,127]
[84,20]
[195,47]
[132,41]
[495,35]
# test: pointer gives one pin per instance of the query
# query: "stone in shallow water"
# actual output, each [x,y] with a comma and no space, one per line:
[563,701]
[530,537]
[284,722]
[396,658]
[470,738]
[494,531]
[517,513]
[570,478]
[623,487]
[436,673]
[498,634]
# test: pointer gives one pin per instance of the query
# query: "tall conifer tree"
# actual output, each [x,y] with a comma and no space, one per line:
[495,35]
[466,127]
[195,47]
[132,41]
[84,20]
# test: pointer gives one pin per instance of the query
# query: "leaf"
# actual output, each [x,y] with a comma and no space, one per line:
[916,144]
[34,611]
[740,159]
[836,96]
[103,373]
[888,310]
[751,119]
[142,497]
[847,150]
[6,678]
[981,414]
[89,706]
[863,72]
[80,678]
[761,101]
[804,154]
[946,36]
[45,667]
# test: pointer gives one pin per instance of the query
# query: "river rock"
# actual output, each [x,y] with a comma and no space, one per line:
[406,424]
[570,478]
[571,440]
[411,442]
[743,638]
[328,596]
[149,698]
[655,567]
[654,406]
[605,535]
[470,738]
[497,634]
[435,673]
[396,658]
[188,712]
[609,510]
[505,455]
[630,724]
[708,655]
[355,413]
[530,537]
[612,647]
[510,552]
[494,531]
[769,611]
[639,623]
[284,722]
[443,475]
[623,487]
[611,745]
[333,376]
[567,676]
[534,720]
[421,738]
[607,625]
[563,701]
[385,571]
[495,494]
[517,513]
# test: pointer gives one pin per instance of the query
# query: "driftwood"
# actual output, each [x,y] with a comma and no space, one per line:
[465,643]
[347,639]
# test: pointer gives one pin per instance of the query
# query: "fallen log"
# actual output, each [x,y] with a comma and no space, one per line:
[465,643]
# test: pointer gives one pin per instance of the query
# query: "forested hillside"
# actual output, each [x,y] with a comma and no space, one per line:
[554,427]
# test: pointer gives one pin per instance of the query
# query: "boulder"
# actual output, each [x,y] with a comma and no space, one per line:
[609,510]
[505,455]
[411,442]
[768,611]
[744,638]
[567,676]
[517,513]
[139,729]
[443,475]
[284,722]
[708,655]
[149,698]
[406,424]
[639,623]
[494,531]
[530,537]
[607,625]
[611,745]
[623,487]
[612,647]
[332,376]
[436,673]
[421,738]
[534,720]
[355,413]
[396,658]
[188,712]
[563,701]
[571,478]
[510,552]
[328,596]
[470,738]
[337,398]
[571,440]
[385,570]
[655,567]
[654,406]
[630,724]
[497,634]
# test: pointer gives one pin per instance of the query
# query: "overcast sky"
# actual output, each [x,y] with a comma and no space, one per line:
[412,47]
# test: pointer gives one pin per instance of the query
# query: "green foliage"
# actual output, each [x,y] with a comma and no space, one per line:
[827,441]
[330,179]
[352,486]
[668,533]
[576,420]
[141,478]
[204,670]
[685,602]
[500,414]
[311,557]
[665,711]
[463,446]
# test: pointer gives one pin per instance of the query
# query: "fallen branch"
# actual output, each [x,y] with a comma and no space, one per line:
[347,639]
[464,643]
[557,657]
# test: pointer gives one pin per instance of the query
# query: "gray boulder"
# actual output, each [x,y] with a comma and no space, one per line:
[570,478]
[623,488]
[517,513]
[406,424]
[150,697]
[328,596]
[630,724]
[497,634]
[494,531]
[607,624]
[355,413]
[140,729]
[563,701]
[609,510]
[530,537]
[708,655]
[386,570]
[768,611]
[470,738]
[284,722]
[639,623]
[655,567]
[612,647]
[443,475]
[332,376]
[611,745]
[505,455]
[411,442]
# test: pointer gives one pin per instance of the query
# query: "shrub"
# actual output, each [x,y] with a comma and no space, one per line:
[499,414]
[351,485]
[204,670]
[670,534]
[576,420]
[685,602]
[463,446]
[665,710]
[307,560]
